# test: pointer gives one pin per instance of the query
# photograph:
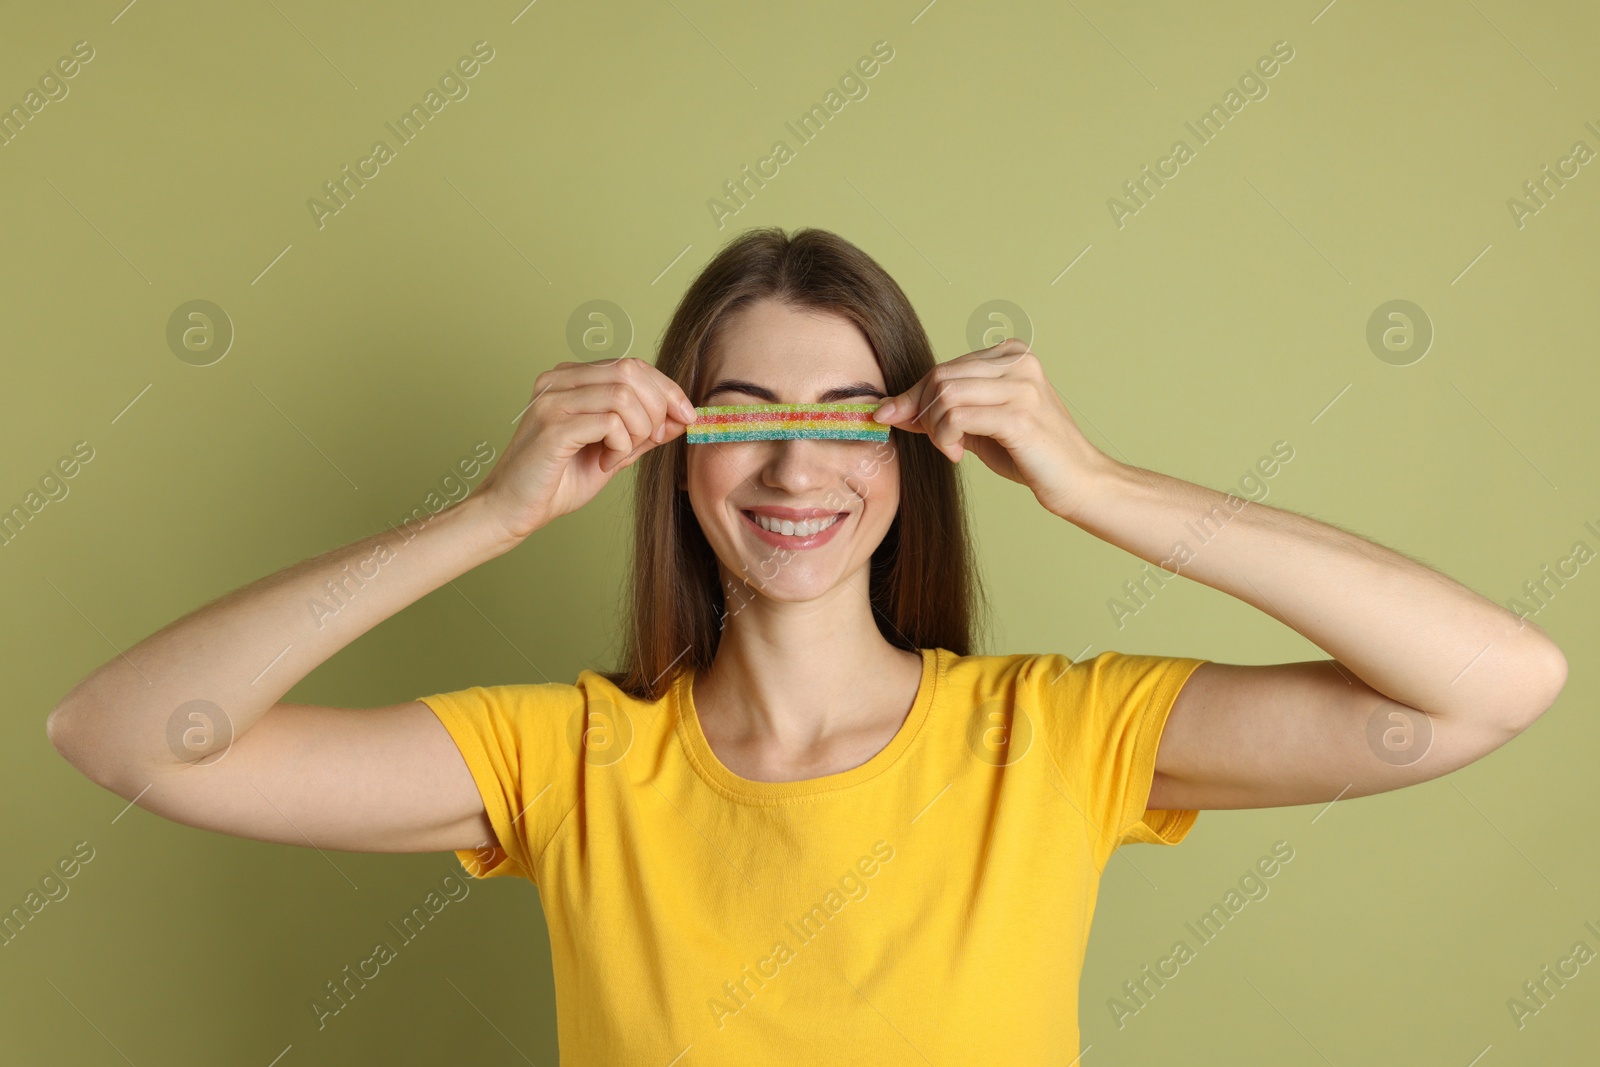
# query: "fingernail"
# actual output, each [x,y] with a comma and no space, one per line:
[885,410]
[686,409]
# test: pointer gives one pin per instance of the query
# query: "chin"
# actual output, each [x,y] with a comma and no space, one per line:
[794,582]
[785,583]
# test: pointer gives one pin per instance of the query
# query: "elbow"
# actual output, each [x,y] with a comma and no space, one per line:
[1545,679]
[59,729]
[66,734]
[55,729]
[95,743]
[1553,676]
[1558,675]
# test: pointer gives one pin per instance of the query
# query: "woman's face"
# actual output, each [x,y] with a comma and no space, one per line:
[769,353]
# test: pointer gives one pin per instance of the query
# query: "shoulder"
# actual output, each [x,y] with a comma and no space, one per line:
[598,691]
[591,691]
[1056,668]
[510,697]
[546,723]
[1093,692]
[587,683]
[1035,672]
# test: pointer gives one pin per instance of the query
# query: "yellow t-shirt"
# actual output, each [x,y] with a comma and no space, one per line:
[930,905]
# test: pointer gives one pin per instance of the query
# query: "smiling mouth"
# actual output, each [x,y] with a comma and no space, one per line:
[789,528]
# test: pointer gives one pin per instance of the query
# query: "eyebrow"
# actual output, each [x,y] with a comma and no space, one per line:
[739,385]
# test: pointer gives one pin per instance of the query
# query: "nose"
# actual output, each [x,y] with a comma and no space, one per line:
[798,465]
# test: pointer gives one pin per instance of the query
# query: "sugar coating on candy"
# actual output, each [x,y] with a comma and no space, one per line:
[777,422]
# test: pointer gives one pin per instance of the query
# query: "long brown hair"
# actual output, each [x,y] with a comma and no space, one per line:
[924,587]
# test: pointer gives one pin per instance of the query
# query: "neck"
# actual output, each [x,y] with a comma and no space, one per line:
[794,673]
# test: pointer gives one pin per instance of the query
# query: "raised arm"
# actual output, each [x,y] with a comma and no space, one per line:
[187,722]
[1426,675]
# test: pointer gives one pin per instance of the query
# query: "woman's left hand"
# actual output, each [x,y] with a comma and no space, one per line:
[998,403]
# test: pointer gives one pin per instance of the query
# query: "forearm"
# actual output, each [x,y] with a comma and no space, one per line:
[1415,635]
[243,651]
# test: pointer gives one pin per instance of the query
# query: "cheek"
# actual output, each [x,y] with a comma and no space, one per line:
[889,490]
[700,471]
[878,481]
[887,503]
[711,478]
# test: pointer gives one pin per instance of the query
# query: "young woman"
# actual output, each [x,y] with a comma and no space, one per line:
[805,822]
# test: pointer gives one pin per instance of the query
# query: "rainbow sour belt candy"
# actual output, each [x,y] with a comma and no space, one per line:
[781,422]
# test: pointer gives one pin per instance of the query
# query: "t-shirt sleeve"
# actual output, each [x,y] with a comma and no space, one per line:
[1103,723]
[518,742]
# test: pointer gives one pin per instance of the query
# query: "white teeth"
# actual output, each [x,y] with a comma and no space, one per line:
[795,529]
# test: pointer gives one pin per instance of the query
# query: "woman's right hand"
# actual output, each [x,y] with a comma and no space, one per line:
[586,421]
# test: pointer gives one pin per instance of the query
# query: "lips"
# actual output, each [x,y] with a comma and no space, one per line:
[807,519]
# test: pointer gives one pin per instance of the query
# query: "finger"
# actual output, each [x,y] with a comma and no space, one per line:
[672,394]
[962,392]
[611,396]
[672,428]
[646,382]
[634,373]
[632,369]
[986,361]
[638,451]
[605,427]
[669,406]
[959,400]
[618,444]
[914,402]
[672,411]
[623,447]
[902,409]
[669,429]
[935,395]
[597,427]
[1004,354]
[958,423]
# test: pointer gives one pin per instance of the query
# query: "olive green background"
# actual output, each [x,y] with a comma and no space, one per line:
[372,353]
